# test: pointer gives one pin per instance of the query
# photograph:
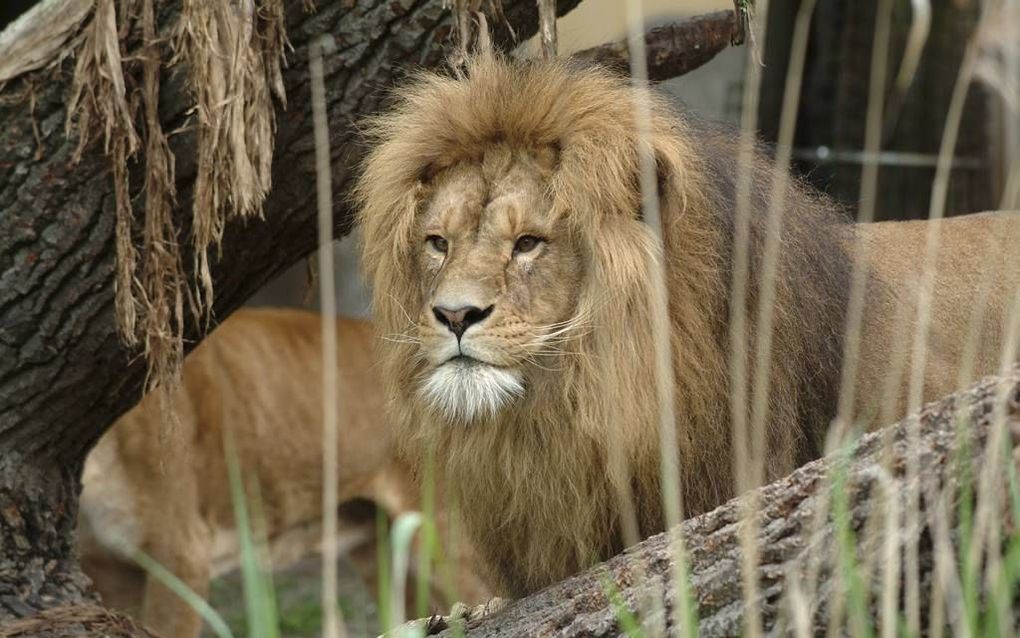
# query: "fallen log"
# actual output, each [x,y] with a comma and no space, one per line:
[795,550]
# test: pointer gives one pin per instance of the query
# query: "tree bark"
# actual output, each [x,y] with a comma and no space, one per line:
[65,376]
[580,605]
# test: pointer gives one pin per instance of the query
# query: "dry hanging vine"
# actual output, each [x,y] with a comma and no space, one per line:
[233,51]
[233,70]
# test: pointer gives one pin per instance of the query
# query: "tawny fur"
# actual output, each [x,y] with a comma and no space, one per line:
[520,145]
[257,380]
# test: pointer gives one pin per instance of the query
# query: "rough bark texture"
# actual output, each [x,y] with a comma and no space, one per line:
[580,607]
[36,535]
[674,49]
[64,374]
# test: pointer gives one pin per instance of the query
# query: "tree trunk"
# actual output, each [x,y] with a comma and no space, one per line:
[65,375]
[786,545]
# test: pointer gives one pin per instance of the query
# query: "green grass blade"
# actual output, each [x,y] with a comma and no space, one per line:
[383,603]
[857,597]
[625,618]
[429,554]
[260,603]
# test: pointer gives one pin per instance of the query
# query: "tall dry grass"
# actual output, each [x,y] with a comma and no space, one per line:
[332,622]
[668,442]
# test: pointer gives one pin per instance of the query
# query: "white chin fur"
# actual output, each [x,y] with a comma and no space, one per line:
[465,391]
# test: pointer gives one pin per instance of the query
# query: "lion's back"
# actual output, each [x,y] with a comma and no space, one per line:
[974,290]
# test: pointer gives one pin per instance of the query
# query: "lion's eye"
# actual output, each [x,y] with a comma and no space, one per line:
[527,243]
[439,243]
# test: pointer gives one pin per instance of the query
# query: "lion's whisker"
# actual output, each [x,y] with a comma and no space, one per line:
[410,322]
[398,338]
[533,361]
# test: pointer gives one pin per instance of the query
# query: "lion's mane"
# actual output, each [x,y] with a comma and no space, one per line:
[539,487]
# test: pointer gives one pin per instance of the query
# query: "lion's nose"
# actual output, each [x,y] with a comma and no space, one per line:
[460,319]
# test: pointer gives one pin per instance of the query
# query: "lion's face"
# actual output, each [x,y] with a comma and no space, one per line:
[499,280]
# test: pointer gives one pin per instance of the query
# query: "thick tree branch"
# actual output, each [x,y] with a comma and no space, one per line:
[674,49]
[40,37]
[580,606]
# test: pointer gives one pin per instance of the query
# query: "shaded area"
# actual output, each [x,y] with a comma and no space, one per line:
[298,594]
[834,101]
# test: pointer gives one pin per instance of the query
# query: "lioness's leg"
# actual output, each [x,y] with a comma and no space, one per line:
[164,611]
[120,584]
[178,538]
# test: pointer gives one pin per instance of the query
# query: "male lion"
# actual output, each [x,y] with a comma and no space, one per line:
[503,236]
[255,381]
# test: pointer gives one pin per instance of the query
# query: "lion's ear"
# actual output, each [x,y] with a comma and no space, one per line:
[663,184]
[429,172]
[663,180]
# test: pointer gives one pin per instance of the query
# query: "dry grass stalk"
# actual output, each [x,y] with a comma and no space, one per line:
[333,626]
[739,330]
[997,42]
[669,445]
[738,333]
[917,38]
[919,346]
[767,304]
[233,51]
[997,67]
[884,521]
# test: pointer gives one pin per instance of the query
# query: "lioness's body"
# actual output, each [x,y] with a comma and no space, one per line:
[501,216]
[255,381]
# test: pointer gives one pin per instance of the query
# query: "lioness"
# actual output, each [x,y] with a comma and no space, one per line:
[257,380]
[503,236]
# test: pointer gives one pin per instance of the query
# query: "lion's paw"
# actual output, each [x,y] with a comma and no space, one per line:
[460,614]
